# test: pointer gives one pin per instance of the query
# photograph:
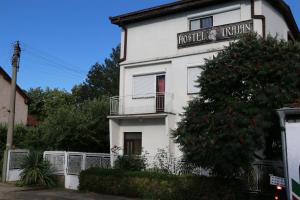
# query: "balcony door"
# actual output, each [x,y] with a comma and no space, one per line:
[160,93]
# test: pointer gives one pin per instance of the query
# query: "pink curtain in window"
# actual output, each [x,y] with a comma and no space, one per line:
[161,84]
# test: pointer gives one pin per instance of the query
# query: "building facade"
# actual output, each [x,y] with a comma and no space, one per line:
[161,51]
[21,100]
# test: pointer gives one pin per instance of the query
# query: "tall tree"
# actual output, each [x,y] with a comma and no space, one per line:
[82,127]
[76,121]
[43,102]
[234,114]
[102,79]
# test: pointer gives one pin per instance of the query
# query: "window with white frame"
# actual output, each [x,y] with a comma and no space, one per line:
[144,86]
[193,74]
[199,23]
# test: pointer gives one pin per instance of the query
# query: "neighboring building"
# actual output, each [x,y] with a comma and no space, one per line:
[32,121]
[161,51]
[21,100]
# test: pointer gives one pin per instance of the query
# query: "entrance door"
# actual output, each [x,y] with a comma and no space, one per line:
[160,93]
[132,143]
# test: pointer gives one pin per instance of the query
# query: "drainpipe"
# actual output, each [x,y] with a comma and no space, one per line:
[261,17]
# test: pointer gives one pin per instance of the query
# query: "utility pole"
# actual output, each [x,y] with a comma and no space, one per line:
[11,120]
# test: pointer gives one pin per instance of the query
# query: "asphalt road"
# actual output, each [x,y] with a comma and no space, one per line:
[9,192]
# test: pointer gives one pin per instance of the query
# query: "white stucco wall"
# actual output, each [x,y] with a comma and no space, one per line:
[114,134]
[175,71]
[21,106]
[145,38]
[275,23]
[152,48]
[153,133]
[132,105]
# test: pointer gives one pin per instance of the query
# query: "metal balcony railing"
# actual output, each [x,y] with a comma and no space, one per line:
[141,104]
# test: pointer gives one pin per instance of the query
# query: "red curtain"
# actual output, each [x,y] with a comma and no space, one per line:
[161,84]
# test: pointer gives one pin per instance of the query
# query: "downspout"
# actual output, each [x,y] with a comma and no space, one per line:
[261,17]
[121,76]
[125,44]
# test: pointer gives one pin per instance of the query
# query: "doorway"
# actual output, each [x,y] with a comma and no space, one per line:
[132,143]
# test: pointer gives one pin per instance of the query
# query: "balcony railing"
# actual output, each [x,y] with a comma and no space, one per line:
[141,104]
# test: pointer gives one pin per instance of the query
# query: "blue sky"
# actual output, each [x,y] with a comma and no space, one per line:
[61,39]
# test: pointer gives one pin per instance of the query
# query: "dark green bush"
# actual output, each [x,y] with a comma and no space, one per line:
[234,114]
[150,185]
[131,163]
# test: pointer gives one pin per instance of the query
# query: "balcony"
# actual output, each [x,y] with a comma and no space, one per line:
[141,104]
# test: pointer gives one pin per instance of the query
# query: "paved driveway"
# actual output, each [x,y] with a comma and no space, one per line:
[9,192]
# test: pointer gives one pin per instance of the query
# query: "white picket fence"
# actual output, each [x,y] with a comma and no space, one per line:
[70,164]
[15,158]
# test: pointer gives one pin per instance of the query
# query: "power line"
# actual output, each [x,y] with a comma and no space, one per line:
[59,68]
[43,60]
[44,52]
[52,58]
[52,62]
[54,73]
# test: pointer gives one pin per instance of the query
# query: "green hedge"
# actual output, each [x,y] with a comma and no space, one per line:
[150,185]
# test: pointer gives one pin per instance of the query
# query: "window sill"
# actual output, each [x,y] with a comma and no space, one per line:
[152,97]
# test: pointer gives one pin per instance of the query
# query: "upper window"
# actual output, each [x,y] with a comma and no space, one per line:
[193,74]
[205,22]
[143,86]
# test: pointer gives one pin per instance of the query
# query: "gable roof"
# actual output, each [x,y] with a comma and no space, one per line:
[8,79]
[186,5]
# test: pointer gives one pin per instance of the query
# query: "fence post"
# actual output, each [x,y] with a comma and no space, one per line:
[83,161]
[65,167]
[112,160]
[7,165]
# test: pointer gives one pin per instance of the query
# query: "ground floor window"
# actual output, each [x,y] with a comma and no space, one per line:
[132,143]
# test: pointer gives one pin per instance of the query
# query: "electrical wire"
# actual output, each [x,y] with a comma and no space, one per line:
[55,67]
[52,59]
[45,61]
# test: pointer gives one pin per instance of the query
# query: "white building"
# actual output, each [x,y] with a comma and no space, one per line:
[161,51]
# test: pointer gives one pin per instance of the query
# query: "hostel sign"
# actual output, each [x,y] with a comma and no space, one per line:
[213,34]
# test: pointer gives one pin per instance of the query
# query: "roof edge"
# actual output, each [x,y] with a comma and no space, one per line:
[161,10]
[185,5]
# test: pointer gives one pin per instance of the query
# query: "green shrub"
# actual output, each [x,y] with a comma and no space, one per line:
[36,171]
[150,185]
[131,163]
[234,114]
